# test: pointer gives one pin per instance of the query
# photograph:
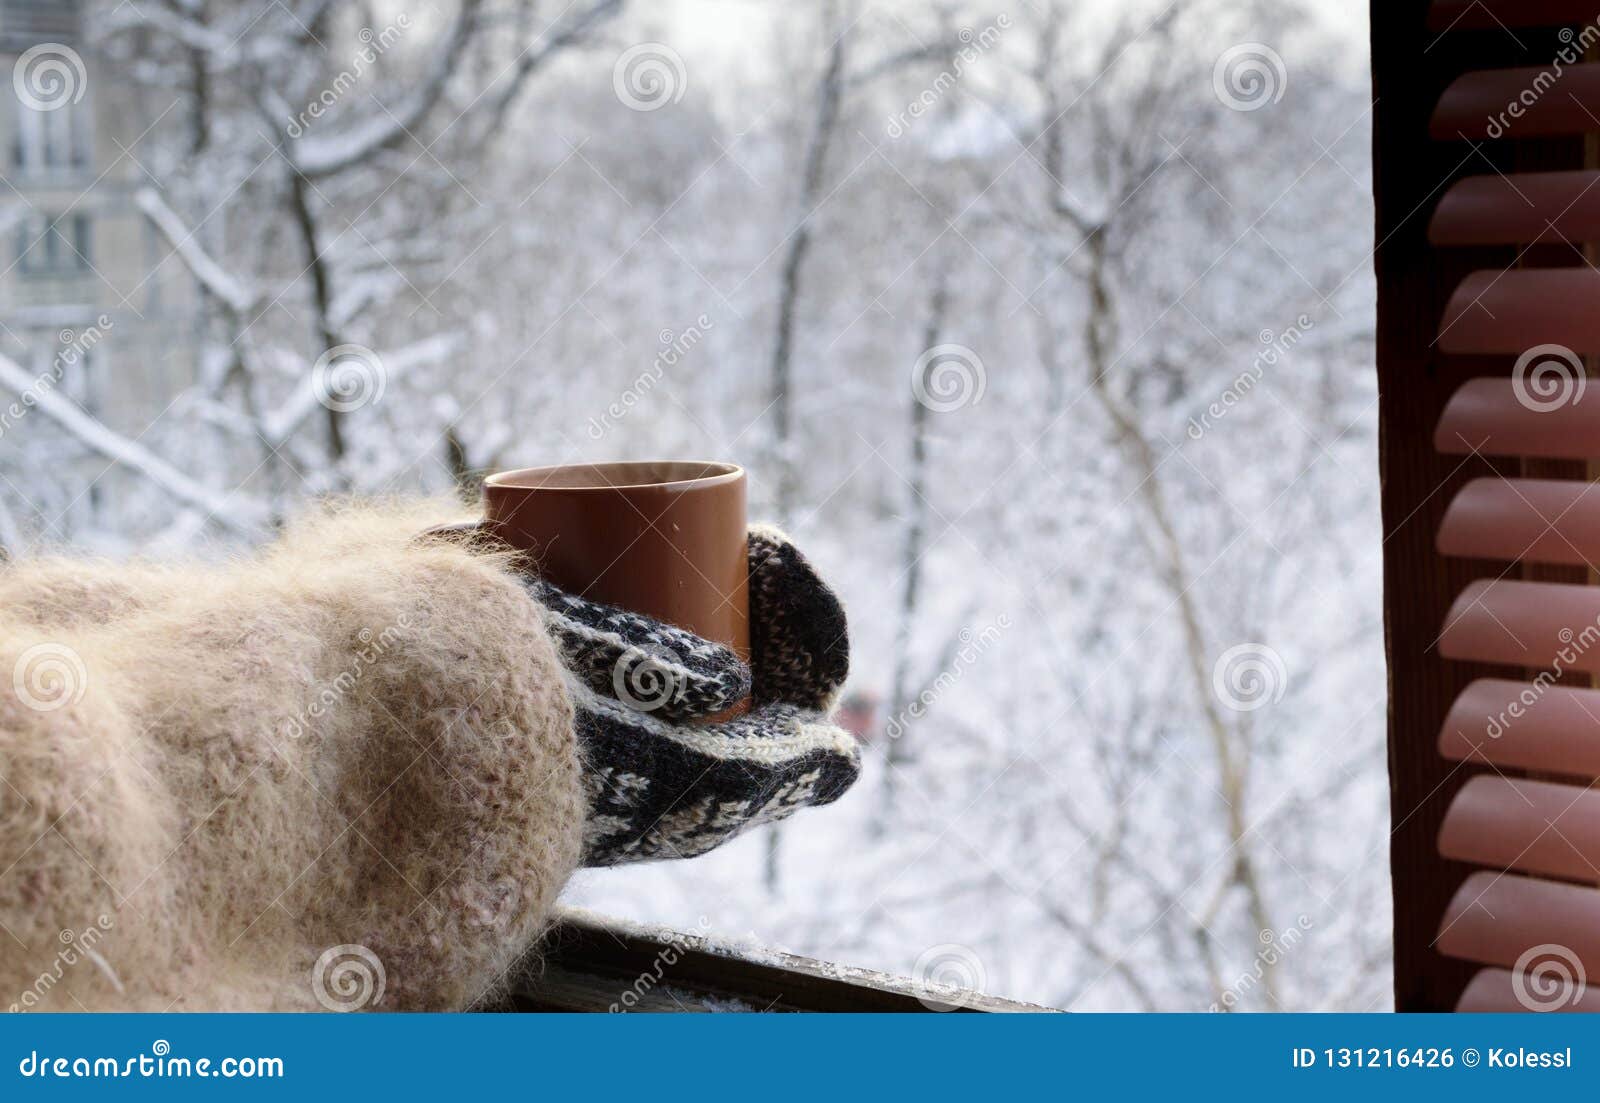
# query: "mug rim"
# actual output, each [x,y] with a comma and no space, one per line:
[710,473]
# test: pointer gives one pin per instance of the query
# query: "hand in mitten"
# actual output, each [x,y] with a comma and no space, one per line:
[664,780]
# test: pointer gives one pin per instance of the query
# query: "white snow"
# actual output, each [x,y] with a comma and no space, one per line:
[1057,829]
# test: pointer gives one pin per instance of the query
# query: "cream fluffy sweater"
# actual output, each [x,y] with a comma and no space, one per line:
[280,783]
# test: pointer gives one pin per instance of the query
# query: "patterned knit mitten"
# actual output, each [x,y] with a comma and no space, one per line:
[662,782]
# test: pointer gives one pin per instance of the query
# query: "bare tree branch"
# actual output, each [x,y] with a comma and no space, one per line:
[571,33]
[235,293]
[235,512]
[319,155]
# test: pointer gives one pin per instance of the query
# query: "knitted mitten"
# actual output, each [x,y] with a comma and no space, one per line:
[664,782]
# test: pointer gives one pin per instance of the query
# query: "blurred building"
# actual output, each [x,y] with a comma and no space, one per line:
[75,252]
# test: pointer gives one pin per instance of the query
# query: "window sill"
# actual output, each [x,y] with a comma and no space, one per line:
[592,963]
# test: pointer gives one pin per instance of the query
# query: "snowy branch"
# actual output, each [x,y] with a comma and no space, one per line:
[239,514]
[239,298]
[277,426]
[318,156]
[938,51]
[573,32]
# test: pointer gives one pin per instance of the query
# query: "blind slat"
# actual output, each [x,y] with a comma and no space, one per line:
[1494,417]
[1519,103]
[1508,313]
[1538,827]
[1528,520]
[1519,209]
[1494,991]
[1517,725]
[1496,919]
[1525,624]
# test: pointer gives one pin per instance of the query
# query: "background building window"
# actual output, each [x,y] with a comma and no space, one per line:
[54,245]
[51,142]
[24,23]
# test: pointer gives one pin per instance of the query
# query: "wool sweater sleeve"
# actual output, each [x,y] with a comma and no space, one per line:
[338,773]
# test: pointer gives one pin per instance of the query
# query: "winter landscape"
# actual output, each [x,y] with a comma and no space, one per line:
[1045,328]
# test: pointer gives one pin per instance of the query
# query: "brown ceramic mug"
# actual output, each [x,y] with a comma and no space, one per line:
[662,538]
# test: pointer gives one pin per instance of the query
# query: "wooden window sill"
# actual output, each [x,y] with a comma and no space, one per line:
[593,963]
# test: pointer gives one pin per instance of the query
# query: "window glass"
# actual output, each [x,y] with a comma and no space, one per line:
[54,245]
[50,142]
